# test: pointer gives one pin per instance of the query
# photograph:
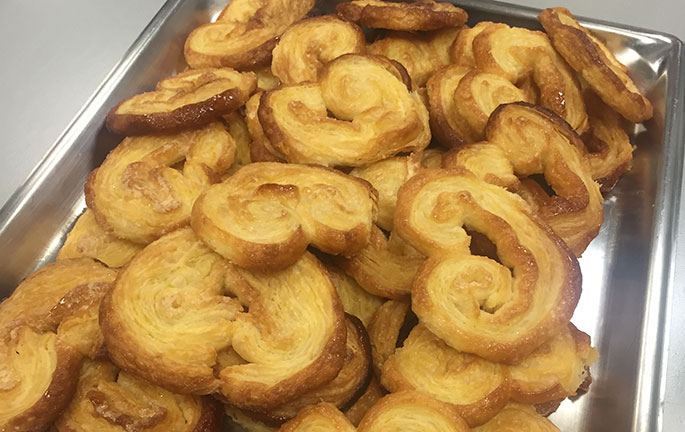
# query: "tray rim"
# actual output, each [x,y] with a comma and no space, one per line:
[653,358]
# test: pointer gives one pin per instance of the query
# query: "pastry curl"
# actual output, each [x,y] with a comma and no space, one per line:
[265,215]
[356,301]
[318,418]
[596,64]
[421,15]
[110,400]
[308,45]
[412,411]
[189,99]
[244,34]
[608,149]
[88,239]
[237,128]
[421,54]
[518,54]
[138,195]
[515,418]
[384,330]
[500,314]
[384,267]
[360,111]
[487,161]
[261,149]
[461,51]
[374,392]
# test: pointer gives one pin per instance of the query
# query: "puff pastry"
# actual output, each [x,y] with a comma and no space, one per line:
[421,54]
[265,215]
[515,418]
[244,34]
[374,392]
[308,45]
[356,301]
[318,418]
[111,400]
[189,99]
[597,65]
[412,411]
[487,161]
[137,194]
[88,239]
[359,111]
[237,128]
[384,330]
[419,15]
[499,314]
[261,149]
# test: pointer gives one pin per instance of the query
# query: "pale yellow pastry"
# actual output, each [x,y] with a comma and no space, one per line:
[384,330]
[374,392]
[516,418]
[356,300]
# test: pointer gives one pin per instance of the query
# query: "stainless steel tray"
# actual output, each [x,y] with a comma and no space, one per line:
[627,270]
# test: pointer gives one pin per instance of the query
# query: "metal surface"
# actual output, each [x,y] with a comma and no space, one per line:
[628,270]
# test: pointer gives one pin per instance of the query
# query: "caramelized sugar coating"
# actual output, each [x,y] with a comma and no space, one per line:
[359,111]
[374,392]
[421,53]
[189,99]
[308,45]
[245,33]
[111,400]
[597,65]
[515,418]
[608,149]
[182,289]
[420,15]
[321,417]
[412,411]
[500,314]
[89,239]
[385,267]
[265,215]
[384,329]
[137,193]
[487,161]
[356,301]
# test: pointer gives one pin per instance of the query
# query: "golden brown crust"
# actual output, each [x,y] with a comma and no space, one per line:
[321,417]
[450,129]
[486,160]
[137,194]
[516,417]
[237,128]
[412,411]
[423,15]
[261,149]
[374,392]
[244,34]
[372,116]
[189,99]
[384,329]
[504,314]
[276,210]
[587,55]
[308,45]
[356,301]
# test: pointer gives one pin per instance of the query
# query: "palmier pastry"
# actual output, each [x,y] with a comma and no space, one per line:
[321,417]
[138,195]
[421,54]
[384,330]
[500,314]
[356,300]
[261,149]
[189,99]
[515,418]
[414,412]
[266,80]
[597,65]
[88,239]
[374,392]
[359,111]
[308,45]
[244,34]
[237,128]
[419,15]
[266,214]
[180,286]
[487,161]
[609,152]
[111,400]
[461,51]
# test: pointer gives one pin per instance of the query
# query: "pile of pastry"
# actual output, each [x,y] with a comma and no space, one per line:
[314,228]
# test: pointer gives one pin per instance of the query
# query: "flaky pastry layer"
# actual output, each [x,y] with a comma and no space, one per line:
[423,15]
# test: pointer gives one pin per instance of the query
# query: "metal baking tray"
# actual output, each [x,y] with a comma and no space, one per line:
[627,270]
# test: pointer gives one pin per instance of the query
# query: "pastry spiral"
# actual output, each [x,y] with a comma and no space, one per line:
[189,99]
[597,65]
[359,111]
[421,54]
[265,215]
[356,301]
[413,412]
[309,44]
[487,161]
[88,239]
[138,195]
[109,400]
[318,418]
[261,149]
[244,34]
[384,330]
[516,418]
[421,15]
[499,314]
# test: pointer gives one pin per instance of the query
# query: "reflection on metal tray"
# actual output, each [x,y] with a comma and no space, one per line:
[627,270]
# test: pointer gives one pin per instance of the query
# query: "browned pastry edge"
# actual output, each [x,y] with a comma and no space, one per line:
[211,416]
[392,17]
[58,395]
[248,60]
[185,117]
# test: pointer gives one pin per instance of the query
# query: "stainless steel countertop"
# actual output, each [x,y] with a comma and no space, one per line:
[55,54]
